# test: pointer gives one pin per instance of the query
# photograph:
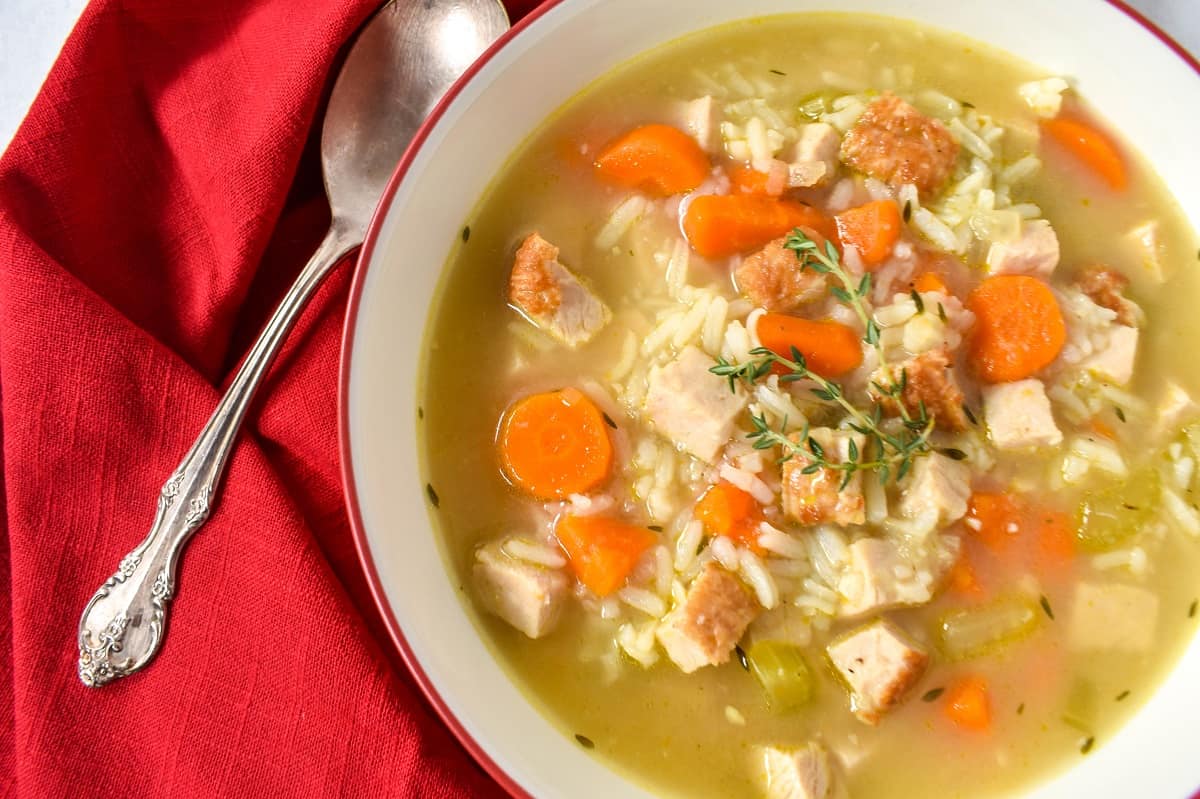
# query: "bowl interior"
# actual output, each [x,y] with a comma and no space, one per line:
[547,61]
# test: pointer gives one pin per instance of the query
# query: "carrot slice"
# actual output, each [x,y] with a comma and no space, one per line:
[1092,147]
[830,348]
[994,520]
[555,444]
[962,579]
[967,704]
[930,281]
[656,159]
[602,551]
[1055,549]
[720,226]
[744,180]
[872,229]
[1019,327]
[727,510]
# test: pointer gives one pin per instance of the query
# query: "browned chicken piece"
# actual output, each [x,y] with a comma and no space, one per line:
[704,629]
[553,297]
[896,143]
[1106,288]
[879,664]
[772,279]
[818,497]
[929,378]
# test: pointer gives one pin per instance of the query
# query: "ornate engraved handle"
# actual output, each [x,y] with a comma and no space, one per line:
[122,626]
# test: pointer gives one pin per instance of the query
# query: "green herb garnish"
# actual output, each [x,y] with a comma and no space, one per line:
[585,741]
[1045,603]
[433,497]
[1121,697]
[1087,745]
[932,694]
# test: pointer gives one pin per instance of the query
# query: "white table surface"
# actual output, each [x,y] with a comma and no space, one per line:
[33,31]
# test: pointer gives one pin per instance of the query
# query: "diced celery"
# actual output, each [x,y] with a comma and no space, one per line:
[784,675]
[1108,518]
[1080,709]
[973,632]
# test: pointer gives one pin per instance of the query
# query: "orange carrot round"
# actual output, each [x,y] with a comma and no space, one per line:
[830,348]
[1093,148]
[720,226]
[746,180]
[930,281]
[1019,327]
[872,229]
[967,704]
[994,520]
[656,159]
[555,444]
[727,510]
[602,551]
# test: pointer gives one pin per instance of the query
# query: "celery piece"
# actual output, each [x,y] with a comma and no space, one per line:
[814,105]
[1109,517]
[972,632]
[783,674]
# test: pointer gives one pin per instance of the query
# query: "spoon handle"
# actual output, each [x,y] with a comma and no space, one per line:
[122,626]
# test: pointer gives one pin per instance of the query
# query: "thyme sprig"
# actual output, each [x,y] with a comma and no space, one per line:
[886,453]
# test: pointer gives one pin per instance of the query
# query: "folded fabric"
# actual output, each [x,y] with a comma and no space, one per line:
[159,198]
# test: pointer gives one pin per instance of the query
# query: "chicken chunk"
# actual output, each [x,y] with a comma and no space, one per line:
[1106,288]
[818,497]
[713,617]
[772,279]
[1114,363]
[896,143]
[702,118]
[872,580]
[1175,407]
[938,487]
[927,379]
[1035,252]
[815,158]
[804,773]
[691,406]
[1113,617]
[1018,415]
[527,596]
[552,297]
[879,665]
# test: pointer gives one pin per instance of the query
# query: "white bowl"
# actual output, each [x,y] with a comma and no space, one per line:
[1133,74]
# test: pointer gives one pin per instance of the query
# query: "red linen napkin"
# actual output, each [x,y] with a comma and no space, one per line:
[160,196]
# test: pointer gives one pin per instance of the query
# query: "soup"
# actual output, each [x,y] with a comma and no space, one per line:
[809,421]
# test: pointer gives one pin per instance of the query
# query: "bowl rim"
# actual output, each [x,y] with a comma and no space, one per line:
[363,259]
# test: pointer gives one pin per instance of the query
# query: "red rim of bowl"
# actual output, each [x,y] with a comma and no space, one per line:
[356,524]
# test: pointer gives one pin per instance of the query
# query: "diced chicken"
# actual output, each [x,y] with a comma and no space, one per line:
[1034,252]
[873,579]
[1175,408]
[527,596]
[937,487]
[1114,363]
[1018,415]
[804,773]
[772,279]
[1106,288]
[1114,617]
[927,378]
[818,497]
[691,406]
[896,143]
[704,629]
[702,117]
[1147,243]
[880,665]
[815,158]
[552,297]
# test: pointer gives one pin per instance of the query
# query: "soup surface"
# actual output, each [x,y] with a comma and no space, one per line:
[804,416]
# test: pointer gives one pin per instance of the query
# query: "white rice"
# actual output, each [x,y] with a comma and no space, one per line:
[638,642]
[529,552]
[748,482]
[620,221]
[759,579]
[687,544]
[1185,517]
[647,602]
[725,552]
[780,543]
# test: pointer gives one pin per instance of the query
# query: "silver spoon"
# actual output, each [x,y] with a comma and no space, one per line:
[404,60]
